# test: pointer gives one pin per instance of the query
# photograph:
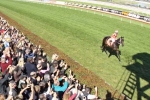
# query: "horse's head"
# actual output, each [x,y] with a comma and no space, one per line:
[121,41]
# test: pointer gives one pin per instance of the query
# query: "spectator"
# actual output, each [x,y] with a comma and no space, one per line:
[44,63]
[11,90]
[29,66]
[55,96]
[87,91]
[22,80]
[33,78]
[6,60]
[56,86]
[67,94]
[4,80]
[2,97]
[37,90]
[28,54]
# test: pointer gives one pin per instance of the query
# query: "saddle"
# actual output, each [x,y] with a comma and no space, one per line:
[110,44]
[108,41]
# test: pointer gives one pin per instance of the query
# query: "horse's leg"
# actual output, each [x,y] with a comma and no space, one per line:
[118,55]
[102,48]
[109,55]
[105,49]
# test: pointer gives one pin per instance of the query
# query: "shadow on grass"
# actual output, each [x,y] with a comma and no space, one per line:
[140,69]
[109,95]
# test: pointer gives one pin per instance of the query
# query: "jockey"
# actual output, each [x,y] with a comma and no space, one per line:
[113,37]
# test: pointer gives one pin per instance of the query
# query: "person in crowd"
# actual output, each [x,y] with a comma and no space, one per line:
[67,94]
[56,86]
[33,78]
[29,66]
[4,78]
[44,63]
[11,90]
[2,97]
[87,93]
[6,60]
[22,79]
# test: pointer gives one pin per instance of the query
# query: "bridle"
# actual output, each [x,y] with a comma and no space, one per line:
[120,41]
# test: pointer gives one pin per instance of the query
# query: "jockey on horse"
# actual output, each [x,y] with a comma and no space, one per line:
[111,44]
[112,39]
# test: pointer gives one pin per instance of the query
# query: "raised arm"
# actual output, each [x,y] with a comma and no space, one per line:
[28,86]
[48,68]
[74,92]
[32,92]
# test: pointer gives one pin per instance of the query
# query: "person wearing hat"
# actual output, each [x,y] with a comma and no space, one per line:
[113,38]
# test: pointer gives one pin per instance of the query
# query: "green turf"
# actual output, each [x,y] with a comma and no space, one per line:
[79,34]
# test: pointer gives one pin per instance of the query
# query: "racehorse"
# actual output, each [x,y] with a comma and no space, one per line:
[114,48]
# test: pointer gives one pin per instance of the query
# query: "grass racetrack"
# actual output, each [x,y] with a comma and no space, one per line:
[79,35]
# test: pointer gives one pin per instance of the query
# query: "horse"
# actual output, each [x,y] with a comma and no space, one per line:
[114,48]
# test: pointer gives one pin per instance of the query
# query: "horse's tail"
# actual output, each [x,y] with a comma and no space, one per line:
[104,40]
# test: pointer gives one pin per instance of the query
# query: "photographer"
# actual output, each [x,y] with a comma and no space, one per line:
[56,86]
[87,93]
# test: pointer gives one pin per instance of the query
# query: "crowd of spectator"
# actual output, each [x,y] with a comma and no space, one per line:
[27,74]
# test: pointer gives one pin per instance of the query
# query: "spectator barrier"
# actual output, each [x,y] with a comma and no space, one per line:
[118,12]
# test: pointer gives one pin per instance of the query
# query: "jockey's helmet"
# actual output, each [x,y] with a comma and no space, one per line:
[116,31]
